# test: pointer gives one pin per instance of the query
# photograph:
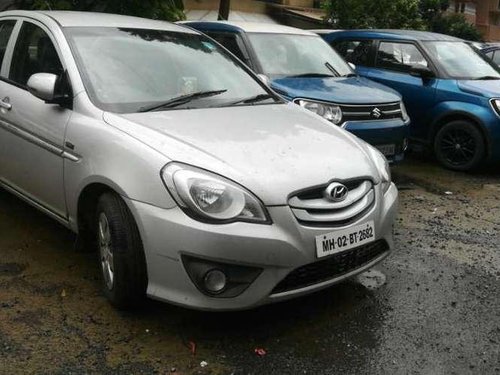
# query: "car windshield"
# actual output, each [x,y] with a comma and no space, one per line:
[461,61]
[133,70]
[285,55]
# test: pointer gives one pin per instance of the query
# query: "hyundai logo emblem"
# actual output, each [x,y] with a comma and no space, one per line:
[376,113]
[336,192]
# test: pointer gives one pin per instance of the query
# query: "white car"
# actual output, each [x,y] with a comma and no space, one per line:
[196,183]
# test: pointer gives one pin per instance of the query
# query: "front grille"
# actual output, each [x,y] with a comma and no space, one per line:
[371,112]
[311,208]
[332,267]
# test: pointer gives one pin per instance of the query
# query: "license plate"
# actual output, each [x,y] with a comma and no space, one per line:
[387,150]
[336,242]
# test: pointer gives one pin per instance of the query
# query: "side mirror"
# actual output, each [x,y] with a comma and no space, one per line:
[43,86]
[265,79]
[51,88]
[353,67]
[421,72]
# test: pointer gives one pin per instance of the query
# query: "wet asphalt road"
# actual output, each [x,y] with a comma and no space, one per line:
[433,307]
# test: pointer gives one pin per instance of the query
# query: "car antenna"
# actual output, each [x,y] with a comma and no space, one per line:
[48,4]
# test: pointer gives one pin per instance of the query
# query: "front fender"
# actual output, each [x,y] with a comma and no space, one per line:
[113,158]
[480,113]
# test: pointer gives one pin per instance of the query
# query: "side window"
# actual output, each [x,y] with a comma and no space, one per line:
[34,53]
[6,28]
[232,43]
[354,51]
[399,56]
[496,57]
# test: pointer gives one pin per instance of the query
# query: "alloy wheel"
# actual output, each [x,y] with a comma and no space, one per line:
[106,251]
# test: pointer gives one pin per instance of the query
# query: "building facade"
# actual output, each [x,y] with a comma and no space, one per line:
[485,14]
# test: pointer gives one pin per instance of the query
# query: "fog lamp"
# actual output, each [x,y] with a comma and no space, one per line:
[215,281]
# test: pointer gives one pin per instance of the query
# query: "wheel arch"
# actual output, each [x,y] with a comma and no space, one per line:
[457,115]
[86,209]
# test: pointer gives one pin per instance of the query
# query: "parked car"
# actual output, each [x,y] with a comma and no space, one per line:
[301,68]
[197,184]
[451,91]
[492,51]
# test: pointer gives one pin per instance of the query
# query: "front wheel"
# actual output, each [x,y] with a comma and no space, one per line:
[121,254]
[459,145]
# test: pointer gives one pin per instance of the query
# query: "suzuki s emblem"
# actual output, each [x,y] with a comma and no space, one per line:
[376,113]
[336,192]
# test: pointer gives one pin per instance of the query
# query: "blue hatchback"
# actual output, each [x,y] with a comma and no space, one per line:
[452,91]
[301,67]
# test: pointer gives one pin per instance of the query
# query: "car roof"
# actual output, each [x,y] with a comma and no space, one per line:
[391,34]
[247,27]
[94,19]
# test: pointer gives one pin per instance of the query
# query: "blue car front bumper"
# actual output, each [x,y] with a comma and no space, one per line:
[390,136]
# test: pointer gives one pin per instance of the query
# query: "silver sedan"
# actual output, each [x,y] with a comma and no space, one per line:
[194,181]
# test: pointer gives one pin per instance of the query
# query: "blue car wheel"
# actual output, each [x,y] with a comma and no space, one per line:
[459,145]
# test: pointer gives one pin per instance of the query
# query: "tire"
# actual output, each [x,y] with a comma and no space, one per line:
[121,254]
[459,145]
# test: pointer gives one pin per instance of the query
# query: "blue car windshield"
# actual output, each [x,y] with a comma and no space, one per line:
[461,61]
[285,55]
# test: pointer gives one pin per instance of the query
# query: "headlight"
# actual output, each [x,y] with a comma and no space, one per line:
[383,168]
[331,112]
[211,197]
[495,103]
[404,112]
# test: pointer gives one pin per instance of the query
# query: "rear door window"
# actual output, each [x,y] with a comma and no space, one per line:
[357,52]
[399,56]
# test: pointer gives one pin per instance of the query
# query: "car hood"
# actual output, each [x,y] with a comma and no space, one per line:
[348,90]
[272,150]
[486,88]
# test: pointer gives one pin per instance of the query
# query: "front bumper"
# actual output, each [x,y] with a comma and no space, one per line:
[277,249]
[382,132]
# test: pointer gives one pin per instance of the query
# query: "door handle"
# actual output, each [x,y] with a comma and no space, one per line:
[5,104]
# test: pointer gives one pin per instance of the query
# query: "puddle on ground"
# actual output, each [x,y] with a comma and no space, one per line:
[11,269]
[371,279]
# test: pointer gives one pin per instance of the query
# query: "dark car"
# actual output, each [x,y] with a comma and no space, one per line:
[451,90]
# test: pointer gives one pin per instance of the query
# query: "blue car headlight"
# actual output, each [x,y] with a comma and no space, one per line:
[495,104]
[330,112]
[404,112]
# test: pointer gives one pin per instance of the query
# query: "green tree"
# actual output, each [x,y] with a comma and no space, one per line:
[170,10]
[399,14]
[388,14]
[456,25]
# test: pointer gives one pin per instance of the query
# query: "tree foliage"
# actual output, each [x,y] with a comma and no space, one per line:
[399,14]
[455,25]
[387,14]
[170,10]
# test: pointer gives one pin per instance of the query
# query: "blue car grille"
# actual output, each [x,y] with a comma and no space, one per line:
[371,112]
[331,267]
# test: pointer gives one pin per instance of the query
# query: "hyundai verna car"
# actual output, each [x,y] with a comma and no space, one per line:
[451,90]
[196,183]
[301,67]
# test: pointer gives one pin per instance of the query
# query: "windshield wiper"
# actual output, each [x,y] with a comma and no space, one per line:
[310,75]
[183,99]
[486,78]
[350,75]
[253,99]
[332,69]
